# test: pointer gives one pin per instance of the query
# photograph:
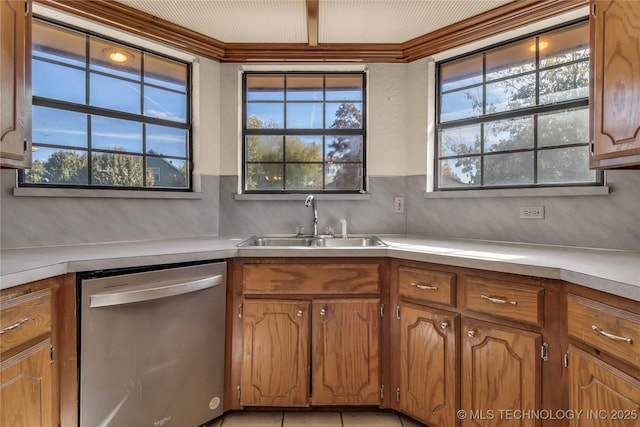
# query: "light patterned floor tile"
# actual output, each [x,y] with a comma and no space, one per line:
[320,419]
[408,422]
[253,419]
[366,419]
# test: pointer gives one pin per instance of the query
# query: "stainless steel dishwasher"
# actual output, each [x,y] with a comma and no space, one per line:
[152,347]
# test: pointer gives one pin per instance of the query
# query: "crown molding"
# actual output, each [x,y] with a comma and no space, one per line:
[508,17]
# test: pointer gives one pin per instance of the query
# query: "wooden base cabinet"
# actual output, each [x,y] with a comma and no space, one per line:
[602,395]
[429,364]
[277,361]
[346,359]
[26,388]
[501,371]
[275,353]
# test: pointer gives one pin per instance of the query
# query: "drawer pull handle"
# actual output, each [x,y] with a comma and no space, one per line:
[498,300]
[15,325]
[424,287]
[611,336]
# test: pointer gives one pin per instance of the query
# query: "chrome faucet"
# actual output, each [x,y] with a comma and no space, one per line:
[311,201]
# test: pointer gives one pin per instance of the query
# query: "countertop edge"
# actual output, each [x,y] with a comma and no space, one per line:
[225,248]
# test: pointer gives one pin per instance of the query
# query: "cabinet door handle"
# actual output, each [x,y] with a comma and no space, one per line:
[498,300]
[471,333]
[299,313]
[424,287]
[14,326]
[323,312]
[444,325]
[611,336]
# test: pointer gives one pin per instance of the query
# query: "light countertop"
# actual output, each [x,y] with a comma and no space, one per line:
[614,271]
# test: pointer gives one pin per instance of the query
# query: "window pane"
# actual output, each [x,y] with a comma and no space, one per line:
[344,87]
[303,148]
[459,141]
[564,127]
[264,148]
[509,169]
[164,104]
[166,173]
[58,82]
[115,59]
[510,134]
[564,45]
[262,87]
[304,88]
[116,134]
[461,73]
[121,170]
[166,140]
[461,104]
[262,176]
[265,115]
[164,72]
[58,44]
[347,148]
[564,83]
[304,115]
[345,115]
[58,166]
[343,177]
[511,94]
[103,89]
[511,60]
[462,172]
[59,127]
[306,177]
[565,165]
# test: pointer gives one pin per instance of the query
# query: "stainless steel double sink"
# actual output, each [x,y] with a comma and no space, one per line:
[312,242]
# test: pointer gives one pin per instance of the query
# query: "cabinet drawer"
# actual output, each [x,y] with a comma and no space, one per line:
[24,318]
[610,329]
[427,285]
[303,278]
[523,303]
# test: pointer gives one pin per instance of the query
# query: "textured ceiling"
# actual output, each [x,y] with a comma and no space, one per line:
[340,21]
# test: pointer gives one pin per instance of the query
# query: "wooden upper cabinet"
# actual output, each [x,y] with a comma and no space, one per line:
[615,73]
[15,83]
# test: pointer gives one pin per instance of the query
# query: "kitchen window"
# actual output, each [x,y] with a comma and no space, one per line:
[106,115]
[516,115]
[304,132]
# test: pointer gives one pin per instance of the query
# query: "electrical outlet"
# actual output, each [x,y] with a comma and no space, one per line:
[398,204]
[531,212]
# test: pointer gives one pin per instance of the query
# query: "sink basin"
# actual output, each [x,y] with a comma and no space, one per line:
[312,242]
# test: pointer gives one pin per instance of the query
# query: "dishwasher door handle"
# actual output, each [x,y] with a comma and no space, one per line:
[151,293]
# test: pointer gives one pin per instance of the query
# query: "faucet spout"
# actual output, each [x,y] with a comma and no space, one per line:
[311,201]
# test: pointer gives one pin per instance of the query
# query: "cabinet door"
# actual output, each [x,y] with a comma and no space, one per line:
[346,352]
[615,62]
[275,355]
[605,396]
[25,388]
[428,365]
[15,83]
[501,370]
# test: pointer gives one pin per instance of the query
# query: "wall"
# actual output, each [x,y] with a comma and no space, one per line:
[46,221]
[386,160]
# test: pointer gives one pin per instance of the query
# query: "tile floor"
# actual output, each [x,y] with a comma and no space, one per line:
[316,419]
